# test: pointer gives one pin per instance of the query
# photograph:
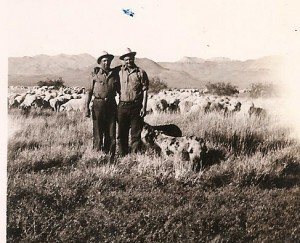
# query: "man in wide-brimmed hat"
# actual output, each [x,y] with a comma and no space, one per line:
[103,86]
[134,86]
[128,52]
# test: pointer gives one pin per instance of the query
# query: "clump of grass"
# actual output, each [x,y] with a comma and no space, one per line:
[61,190]
[239,134]
[14,148]
[255,170]
[51,158]
[43,200]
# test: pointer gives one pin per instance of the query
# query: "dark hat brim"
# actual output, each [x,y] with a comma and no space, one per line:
[128,54]
[109,56]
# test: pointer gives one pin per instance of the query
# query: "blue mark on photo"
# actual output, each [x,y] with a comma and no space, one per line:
[128,12]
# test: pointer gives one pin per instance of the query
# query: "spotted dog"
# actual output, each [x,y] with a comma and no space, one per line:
[190,148]
[148,133]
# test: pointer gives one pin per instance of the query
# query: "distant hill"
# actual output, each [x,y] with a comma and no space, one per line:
[188,72]
[239,73]
[191,60]
[44,64]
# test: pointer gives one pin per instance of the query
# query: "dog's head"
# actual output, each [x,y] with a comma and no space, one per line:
[148,134]
[197,145]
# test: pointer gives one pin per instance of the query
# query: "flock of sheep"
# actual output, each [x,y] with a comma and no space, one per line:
[166,139]
[191,100]
[171,100]
[46,97]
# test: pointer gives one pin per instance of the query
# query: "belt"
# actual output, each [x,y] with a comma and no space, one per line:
[105,99]
[129,102]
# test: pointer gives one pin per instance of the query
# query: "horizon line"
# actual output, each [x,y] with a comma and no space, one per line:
[205,59]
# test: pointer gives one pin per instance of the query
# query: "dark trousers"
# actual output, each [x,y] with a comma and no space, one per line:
[104,126]
[129,119]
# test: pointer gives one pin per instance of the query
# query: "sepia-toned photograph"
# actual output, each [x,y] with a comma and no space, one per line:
[152,121]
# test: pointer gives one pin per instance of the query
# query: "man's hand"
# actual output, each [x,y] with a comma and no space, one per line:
[87,113]
[143,112]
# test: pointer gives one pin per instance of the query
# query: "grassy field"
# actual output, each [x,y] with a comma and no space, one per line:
[60,190]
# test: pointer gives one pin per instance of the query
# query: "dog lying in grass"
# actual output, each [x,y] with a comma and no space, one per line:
[186,148]
[148,134]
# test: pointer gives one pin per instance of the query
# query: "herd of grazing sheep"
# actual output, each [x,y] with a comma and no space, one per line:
[46,97]
[171,100]
[188,101]
[168,138]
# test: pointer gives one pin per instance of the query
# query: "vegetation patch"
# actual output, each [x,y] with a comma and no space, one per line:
[221,88]
[60,190]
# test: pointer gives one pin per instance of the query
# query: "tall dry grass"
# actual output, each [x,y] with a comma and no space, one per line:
[60,190]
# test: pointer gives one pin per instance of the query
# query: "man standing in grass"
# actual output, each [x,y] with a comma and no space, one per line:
[134,86]
[103,85]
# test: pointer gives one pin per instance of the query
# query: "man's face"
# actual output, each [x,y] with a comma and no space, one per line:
[105,63]
[129,61]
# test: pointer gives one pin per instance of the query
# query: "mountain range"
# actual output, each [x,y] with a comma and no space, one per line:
[188,72]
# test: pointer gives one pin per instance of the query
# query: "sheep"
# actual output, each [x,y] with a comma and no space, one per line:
[73,105]
[257,111]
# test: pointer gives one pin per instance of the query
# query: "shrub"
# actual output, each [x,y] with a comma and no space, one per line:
[222,88]
[156,85]
[262,90]
[56,83]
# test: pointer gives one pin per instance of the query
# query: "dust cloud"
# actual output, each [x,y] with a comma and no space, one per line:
[289,105]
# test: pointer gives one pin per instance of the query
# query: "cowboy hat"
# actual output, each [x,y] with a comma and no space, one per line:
[128,52]
[105,54]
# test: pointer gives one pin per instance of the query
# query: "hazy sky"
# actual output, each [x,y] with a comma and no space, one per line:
[163,30]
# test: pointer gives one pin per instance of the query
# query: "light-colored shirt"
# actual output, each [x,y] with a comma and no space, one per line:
[104,84]
[132,83]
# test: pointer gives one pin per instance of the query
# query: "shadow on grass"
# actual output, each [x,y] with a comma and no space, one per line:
[92,162]
[247,143]
[56,163]
[214,156]
[217,181]
[288,178]
[15,147]
[47,166]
